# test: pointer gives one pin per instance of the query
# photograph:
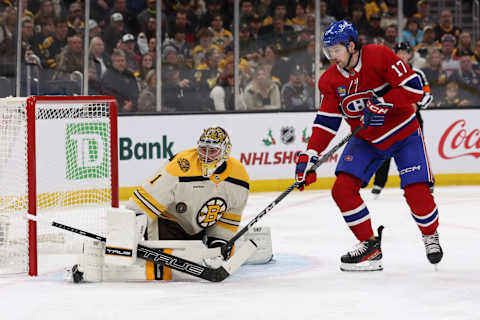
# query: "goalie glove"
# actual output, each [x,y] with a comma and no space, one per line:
[304,174]
[375,111]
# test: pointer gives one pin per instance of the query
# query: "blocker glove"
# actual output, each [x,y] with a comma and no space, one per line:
[375,111]
[303,170]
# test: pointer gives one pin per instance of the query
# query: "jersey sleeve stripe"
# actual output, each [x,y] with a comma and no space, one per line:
[328,120]
[241,183]
[382,90]
[148,204]
[325,128]
[412,84]
[226,226]
[232,216]
[394,130]
[229,222]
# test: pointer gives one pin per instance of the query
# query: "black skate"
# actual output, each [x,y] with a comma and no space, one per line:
[432,247]
[73,274]
[366,256]
[376,190]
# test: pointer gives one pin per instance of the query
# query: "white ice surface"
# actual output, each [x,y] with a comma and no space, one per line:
[304,281]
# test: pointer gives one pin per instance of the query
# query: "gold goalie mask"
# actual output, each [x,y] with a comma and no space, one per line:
[213,149]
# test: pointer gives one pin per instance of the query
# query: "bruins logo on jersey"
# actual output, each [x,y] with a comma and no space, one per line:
[211,212]
[184,164]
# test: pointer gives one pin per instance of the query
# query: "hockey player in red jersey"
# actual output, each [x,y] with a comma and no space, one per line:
[372,87]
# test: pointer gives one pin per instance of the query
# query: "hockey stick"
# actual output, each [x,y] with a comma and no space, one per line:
[228,246]
[171,261]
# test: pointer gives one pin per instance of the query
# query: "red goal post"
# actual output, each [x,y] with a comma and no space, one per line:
[59,160]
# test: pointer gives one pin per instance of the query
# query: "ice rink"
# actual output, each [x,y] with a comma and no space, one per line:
[304,280]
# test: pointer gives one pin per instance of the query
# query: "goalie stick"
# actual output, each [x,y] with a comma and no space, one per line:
[171,261]
[228,246]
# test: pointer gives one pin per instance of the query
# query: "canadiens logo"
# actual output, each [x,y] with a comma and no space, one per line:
[342,91]
[211,212]
[184,164]
[353,105]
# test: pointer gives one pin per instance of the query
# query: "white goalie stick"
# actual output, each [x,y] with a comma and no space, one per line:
[171,261]
[228,246]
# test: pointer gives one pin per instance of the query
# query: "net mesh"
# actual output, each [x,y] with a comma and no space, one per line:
[73,176]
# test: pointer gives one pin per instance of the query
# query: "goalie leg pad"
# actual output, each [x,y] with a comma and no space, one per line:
[122,237]
[90,265]
[263,239]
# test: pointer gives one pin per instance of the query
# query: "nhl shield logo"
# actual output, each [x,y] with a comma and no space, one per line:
[287,134]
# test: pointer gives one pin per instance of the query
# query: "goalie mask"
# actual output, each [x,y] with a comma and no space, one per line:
[213,149]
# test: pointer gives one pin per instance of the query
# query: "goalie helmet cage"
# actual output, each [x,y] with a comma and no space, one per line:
[58,159]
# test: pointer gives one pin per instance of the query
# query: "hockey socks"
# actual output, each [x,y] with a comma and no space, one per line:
[423,208]
[346,193]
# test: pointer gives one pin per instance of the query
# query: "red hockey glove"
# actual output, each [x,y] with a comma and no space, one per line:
[375,111]
[303,171]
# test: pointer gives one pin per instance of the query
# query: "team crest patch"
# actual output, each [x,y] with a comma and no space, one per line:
[211,211]
[342,91]
[184,164]
[181,207]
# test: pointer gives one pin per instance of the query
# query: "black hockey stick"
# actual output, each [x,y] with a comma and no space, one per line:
[228,246]
[168,260]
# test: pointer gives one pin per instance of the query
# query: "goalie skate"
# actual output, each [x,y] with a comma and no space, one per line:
[365,256]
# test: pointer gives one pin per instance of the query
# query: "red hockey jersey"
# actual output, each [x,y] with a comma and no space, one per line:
[379,69]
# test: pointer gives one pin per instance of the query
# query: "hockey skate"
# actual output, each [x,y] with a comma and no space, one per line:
[432,247]
[365,256]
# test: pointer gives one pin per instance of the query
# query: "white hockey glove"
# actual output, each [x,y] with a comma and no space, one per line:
[426,100]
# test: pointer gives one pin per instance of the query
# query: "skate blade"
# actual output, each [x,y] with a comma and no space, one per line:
[371,265]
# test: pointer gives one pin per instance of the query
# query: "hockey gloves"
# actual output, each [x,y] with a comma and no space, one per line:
[375,111]
[303,172]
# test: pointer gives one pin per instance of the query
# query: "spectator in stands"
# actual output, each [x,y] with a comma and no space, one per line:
[223,94]
[146,65]
[389,17]
[449,62]
[299,21]
[94,87]
[99,11]
[281,36]
[446,26]
[128,45]
[121,83]
[262,93]
[149,12]
[70,59]
[451,97]
[147,101]
[435,75]
[296,94]
[129,17]
[45,11]
[423,13]
[221,36]
[51,46]
[181,21]
[464,46]
[246,10]
[374,32]
[375,8]
[98,61]
[94,30]
[280,67]
[47,29]
[180,44]
[248,46]
[151,28]
[325,19]
[390,38]
[206,74]
[175,92]
[205,42]
[412,33]
[114,32]
[467,80]
[213,8]
[75,19]
[428,44]
[357,16]
[152,46]
[255,24]
[279,12]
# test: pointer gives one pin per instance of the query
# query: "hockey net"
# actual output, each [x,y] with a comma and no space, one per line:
[58,160]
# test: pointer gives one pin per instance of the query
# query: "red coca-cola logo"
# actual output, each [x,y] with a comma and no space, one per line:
[457,142]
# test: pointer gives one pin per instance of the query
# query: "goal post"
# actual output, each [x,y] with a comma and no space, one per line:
[59,160]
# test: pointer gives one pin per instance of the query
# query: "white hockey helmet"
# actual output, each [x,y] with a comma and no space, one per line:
[213,149]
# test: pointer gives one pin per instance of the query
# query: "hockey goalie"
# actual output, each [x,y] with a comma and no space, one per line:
[189,208]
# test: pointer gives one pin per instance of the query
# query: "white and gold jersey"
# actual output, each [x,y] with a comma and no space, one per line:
[180,193]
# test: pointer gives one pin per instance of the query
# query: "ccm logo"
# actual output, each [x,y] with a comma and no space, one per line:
[410,169]
[376,109]
[172,262]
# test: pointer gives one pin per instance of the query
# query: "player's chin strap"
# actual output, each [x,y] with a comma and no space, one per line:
[349,60]
[228,246]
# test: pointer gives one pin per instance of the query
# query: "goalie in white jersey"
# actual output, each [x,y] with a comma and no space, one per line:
[200,194]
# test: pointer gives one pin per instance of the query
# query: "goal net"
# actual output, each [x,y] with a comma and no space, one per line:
[58,160]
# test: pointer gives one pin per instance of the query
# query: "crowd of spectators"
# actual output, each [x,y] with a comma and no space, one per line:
[277,50]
